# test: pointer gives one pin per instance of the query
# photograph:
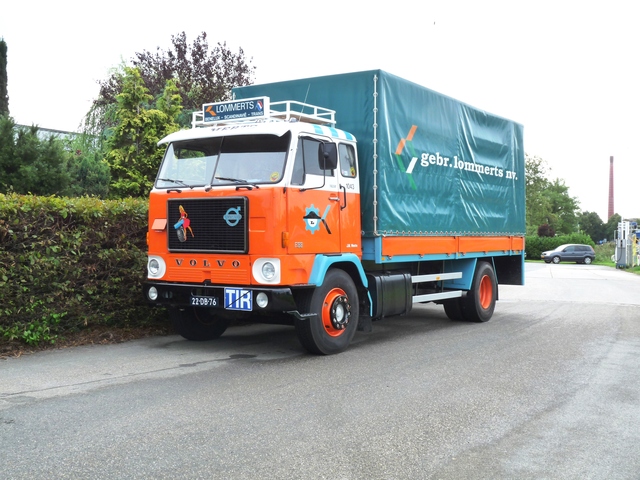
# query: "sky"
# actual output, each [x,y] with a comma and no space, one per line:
[566,70]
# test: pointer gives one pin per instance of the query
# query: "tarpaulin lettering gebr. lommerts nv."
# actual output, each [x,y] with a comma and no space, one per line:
[429,164]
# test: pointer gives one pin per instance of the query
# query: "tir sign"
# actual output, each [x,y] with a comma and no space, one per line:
[236,110]
[238,299]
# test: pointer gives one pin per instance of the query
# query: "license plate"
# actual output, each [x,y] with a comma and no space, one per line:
[201,301]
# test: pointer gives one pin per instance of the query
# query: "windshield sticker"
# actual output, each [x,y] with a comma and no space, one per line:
[183,225]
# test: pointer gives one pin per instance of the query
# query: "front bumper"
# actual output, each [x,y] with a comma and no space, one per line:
[229,298]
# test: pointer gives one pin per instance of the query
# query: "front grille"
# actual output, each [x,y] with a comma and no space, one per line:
[208,225]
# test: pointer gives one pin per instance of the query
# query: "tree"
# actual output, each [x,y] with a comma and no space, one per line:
[612,226]
[563,215]
[537,203]
[4,92]
[46,165]
[88,170]
[29,163]
[591,224]
[202,75]
[545,230]
[548,202]
[132,151]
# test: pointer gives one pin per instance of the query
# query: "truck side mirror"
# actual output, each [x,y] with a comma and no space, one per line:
[327,156]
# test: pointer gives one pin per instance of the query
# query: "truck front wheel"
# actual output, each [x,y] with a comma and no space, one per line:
[480,301]
[335,304]
[198,324]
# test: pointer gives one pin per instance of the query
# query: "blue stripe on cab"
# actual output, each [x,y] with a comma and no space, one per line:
[332,132]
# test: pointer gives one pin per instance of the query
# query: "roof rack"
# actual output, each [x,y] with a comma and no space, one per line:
[290,109]
[284,111]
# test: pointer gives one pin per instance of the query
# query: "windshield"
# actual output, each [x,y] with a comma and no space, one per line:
[246,159]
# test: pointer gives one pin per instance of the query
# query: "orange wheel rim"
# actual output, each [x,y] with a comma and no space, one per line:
[486,292]
[335,312]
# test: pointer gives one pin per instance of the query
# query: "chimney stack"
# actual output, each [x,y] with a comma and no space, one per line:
[611,210]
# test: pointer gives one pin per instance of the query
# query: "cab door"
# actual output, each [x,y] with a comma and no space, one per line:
[349,185]
[314,201]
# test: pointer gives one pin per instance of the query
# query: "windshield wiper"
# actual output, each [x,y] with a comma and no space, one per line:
[178,182]
[237,180]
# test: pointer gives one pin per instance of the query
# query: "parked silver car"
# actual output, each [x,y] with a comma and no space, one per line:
[570,252]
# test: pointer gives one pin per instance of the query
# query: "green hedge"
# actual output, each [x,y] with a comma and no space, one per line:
[535,245]
[71,263]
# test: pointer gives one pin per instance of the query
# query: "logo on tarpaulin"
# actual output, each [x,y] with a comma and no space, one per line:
[407,142]
[443,161]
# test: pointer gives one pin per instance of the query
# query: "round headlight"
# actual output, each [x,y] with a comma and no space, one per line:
[153,294]
[262,300]
[268,270]
[154,266]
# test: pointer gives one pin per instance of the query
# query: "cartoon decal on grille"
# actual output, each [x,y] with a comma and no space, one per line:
[183,225]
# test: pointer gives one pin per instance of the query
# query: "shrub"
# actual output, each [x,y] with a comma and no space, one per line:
[604,252]
[68,264]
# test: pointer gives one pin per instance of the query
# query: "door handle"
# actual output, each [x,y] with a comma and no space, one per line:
[334,199]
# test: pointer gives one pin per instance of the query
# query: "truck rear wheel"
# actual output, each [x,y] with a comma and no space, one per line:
[453,309]
[335,304]
[480,302]
[198,324]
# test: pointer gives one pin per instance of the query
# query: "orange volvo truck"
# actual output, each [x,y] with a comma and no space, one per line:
[330,202]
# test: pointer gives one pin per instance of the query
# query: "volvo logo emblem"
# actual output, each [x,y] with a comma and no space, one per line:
[233,216]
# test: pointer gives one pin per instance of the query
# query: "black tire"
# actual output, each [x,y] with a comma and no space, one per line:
[588,260]
[336,304]
[556,259]
[453,309]
[198,324]
[480,302]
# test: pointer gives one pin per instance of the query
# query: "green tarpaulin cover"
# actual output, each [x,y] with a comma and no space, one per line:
[439,166]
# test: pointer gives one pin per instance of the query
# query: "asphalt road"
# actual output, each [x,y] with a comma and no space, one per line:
[548,389]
